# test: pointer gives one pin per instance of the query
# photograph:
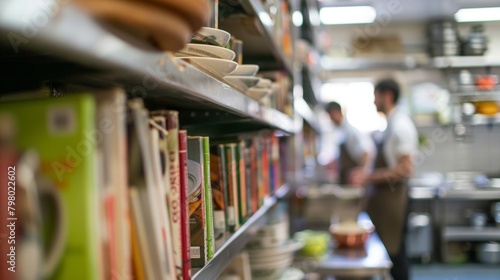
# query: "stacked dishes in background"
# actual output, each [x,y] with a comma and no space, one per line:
[208,52]
[444,39]
[271,251]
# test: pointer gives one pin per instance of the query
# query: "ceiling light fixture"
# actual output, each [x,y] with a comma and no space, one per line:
[347,15]
[478,14]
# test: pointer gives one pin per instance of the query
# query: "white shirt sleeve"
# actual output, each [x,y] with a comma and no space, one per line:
[358,143]
[402,140]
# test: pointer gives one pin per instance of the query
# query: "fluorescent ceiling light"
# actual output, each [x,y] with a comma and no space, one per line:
[297,18]
[478,14]
[347,15]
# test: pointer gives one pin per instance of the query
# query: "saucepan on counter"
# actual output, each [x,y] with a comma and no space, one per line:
[488,253]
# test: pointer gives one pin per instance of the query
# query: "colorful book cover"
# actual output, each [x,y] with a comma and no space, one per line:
[232,175]
[229,197]
[174,191]
[183,167]
[209,219]
[241,180]
[196,198]
[58,130]
[218,198]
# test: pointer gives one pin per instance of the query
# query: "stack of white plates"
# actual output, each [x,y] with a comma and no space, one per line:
[207,51]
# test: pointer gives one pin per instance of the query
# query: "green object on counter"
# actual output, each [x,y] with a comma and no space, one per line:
[315,242]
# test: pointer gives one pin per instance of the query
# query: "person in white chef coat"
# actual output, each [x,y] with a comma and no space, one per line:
[356,149]
[388,201]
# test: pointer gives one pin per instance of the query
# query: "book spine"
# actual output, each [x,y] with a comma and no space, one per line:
[185,238]
[241,176]
[232,176]
[218,198]
[172,125]
[254,175]
[228,196]
[264,155]
[196,198]
[209,219]
[248,177]
[276,161]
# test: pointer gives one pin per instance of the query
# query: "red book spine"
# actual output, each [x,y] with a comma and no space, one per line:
[265,167]
[186,258]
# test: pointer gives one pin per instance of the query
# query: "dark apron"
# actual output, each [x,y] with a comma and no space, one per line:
[387,207]
[347,163]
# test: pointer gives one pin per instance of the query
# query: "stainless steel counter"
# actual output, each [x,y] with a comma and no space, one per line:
[373,260]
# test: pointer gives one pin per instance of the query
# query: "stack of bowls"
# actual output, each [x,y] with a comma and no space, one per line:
[444,39]
[272,251]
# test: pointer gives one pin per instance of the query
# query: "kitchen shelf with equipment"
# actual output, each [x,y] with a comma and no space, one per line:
[102,59]
[240,238]
[451,233]
[470,194]
[255,28]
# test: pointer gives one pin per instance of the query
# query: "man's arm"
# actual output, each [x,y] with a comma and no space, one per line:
[402,171]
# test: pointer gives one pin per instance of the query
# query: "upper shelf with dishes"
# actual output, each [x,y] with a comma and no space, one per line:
[200,78]
[265,27]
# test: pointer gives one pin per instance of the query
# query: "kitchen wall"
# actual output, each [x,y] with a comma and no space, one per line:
[336,40]
[444,153]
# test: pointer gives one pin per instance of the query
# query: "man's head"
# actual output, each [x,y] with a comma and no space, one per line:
[386,95]
[335,111]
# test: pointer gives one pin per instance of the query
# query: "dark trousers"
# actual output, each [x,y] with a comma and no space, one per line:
[400,264]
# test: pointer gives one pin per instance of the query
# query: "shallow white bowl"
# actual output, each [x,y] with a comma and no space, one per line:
[242,82]
[199,50]
[246,70]
[220,37]
[216,66]
[258,93]
[264,83]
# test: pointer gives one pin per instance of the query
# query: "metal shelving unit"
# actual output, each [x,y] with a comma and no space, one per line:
[470,194]
[256,8]
[465,62]
[240,238]
[101,59]
[471,234]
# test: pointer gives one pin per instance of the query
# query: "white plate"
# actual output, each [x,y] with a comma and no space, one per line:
[216,66]
[199,50]
[242,82]
[264,83]
[246,70]
[258,93]
[221,37]
[290,247]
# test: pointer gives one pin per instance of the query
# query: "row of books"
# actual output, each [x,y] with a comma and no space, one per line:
[141,198]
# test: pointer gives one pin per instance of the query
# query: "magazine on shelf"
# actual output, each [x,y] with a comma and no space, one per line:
[185,238]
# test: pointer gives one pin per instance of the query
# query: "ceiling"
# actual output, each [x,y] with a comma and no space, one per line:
[415,10]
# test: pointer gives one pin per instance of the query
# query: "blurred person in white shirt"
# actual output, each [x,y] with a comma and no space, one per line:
[388,201]
[356,149]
